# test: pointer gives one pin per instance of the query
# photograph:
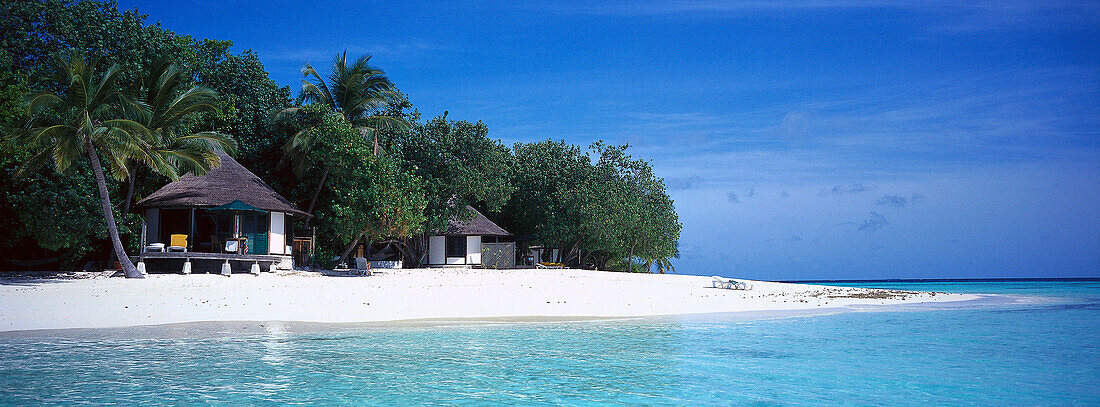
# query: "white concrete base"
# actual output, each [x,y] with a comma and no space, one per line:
[141,268]
[272,268]
[186,267]
[226,270]
[255,269]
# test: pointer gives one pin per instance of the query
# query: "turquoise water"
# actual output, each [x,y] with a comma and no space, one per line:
[1044,351]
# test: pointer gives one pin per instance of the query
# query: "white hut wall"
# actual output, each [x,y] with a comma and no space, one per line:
[473,249]
[437,246]
[276,237]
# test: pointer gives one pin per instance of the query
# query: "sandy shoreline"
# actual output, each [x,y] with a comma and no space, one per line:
[438,294]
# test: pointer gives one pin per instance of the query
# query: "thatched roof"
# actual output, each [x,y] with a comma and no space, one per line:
[478,225]
[231,181]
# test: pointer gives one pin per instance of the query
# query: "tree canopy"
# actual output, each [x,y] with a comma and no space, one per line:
[361,158]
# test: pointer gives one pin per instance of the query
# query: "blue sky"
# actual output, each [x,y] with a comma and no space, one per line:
[812,140]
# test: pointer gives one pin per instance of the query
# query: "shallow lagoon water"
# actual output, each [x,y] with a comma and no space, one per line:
[1037,344]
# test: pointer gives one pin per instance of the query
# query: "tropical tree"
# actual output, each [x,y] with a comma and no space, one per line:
[377,200]
[44,213]
[82,117]
[167,103]
[246,98]
[359,92]
[628,214]
[372,197]
[86,114]
[460,166]
[550,195]
[600,208]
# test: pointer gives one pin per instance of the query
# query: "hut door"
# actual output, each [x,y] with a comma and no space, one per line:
[254,227]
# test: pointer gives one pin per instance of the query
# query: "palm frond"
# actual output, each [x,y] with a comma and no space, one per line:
[213,141]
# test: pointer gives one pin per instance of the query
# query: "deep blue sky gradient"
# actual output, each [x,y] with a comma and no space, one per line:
[824,139]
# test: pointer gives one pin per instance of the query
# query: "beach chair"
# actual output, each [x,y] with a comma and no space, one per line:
[178,243]
[362,267]
[728,283]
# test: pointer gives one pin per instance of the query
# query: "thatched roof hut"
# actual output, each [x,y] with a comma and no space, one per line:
[479,225]
[207,213]
[222,185]
[464,242]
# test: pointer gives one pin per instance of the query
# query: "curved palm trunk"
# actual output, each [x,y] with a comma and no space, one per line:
[109,214]
[406,252]
[125,206]
[347,251]
[129,191]
[317,192]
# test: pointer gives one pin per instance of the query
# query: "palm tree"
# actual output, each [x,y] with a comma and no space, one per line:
[358,92]
[166,102]
[81,118]
[87,115]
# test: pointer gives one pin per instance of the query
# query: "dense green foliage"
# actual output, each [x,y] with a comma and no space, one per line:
[91,116]
[246,99]
[357,94]
[352,150]
[365,194]
[34,31]
[608,214]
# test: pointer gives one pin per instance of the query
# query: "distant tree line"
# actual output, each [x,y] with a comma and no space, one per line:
[350,149]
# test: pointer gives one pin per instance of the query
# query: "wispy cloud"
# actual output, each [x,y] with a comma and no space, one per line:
[843,190]
[682,183]
[732,198]
[897,201]
[875,222]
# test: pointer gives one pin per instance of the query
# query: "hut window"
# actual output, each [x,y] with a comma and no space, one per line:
[456,246]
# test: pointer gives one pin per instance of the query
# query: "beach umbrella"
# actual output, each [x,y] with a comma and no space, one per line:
[236,207]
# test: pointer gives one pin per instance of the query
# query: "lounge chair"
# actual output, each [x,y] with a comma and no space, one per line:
[179,243]
[728,283]
[155,247]
[362,267]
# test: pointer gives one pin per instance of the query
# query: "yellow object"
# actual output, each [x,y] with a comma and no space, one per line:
[179,241]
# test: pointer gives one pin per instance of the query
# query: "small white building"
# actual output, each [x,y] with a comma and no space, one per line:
[470,243]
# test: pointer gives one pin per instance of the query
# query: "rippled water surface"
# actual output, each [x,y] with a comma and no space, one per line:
[1045,351]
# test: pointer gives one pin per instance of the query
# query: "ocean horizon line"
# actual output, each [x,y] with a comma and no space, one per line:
[950,280]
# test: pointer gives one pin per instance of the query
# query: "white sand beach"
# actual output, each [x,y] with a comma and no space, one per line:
[27,303]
